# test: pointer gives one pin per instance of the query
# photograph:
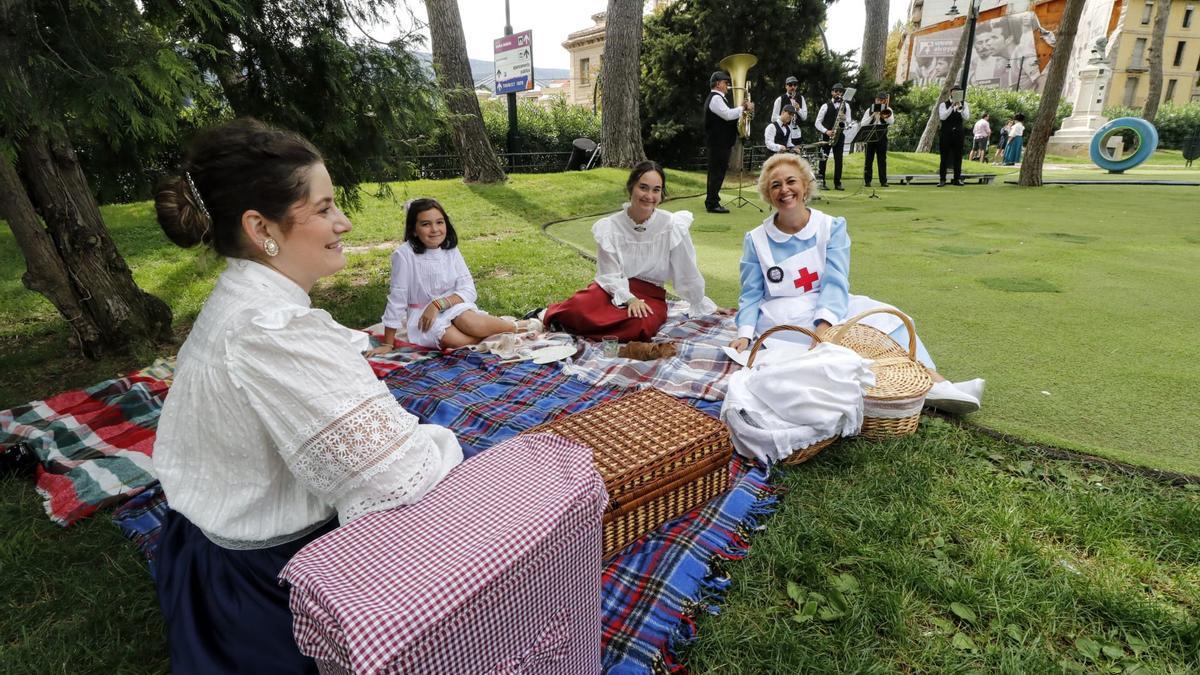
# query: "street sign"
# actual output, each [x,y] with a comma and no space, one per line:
[514,62]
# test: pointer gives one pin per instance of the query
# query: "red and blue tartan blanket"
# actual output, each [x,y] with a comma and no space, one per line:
[96,443]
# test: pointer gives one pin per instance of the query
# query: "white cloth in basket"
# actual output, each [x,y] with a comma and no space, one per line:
[794,397]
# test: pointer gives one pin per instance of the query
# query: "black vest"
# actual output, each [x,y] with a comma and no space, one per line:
[829,121]
[782,134]
[953,122]
[718,133]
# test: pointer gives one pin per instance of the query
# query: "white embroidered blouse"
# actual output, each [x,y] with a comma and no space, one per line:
[418,278]
[275,421]
[657,251]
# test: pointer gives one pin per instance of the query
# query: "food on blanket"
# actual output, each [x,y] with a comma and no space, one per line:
[647,351]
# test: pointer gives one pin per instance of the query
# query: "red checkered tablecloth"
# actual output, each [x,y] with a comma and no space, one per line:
[496,571]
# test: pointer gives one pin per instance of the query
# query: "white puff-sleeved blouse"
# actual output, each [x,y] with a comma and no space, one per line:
[657,251]
[275,421]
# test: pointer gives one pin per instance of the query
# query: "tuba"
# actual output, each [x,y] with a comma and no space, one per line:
[737,65]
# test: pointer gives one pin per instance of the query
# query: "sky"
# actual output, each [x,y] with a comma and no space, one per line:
[552,21]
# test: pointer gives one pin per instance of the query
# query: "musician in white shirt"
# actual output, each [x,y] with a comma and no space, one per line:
[832,119]
[777,135]
[790,97]
[874,129]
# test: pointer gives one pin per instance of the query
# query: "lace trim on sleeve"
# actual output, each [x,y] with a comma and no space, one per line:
[358,444]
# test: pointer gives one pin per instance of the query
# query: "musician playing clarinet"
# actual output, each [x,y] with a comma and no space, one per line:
[952,112]
[874,127]
[831,122]
[778,134]
[790,97]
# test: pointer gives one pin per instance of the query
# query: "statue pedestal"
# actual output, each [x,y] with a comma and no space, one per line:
[1075,136]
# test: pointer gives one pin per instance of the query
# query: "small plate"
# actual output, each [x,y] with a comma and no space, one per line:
[552,354]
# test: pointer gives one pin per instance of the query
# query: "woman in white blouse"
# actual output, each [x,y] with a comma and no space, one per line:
[638,249]
[275,428]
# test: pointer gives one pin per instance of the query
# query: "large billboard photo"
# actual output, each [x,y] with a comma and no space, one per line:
[1004,55]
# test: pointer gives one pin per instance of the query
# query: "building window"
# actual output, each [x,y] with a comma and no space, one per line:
[1131,85]
[1139,53]
[585,70]
[1147,13]
[1187,17]
[1170,93]
[1179,53]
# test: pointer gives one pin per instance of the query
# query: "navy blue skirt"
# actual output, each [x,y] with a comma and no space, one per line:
[224,609]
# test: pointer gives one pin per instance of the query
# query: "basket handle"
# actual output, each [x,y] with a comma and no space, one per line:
[835,334]
[758,343]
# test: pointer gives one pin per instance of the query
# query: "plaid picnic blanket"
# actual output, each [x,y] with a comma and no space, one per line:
[94,444]
[698,370]
[486,402]
[652,590]
[97,443]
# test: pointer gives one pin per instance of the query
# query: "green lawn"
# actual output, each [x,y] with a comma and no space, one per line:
[1078,304]
[945,552]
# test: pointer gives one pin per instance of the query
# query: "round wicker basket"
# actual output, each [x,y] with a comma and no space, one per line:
[799,455]
[892,408]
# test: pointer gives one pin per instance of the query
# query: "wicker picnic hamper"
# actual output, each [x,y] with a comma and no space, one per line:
[892,408]
[799,455]
[659,459]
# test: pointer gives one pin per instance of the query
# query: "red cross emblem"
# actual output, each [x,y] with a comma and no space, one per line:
[806,279]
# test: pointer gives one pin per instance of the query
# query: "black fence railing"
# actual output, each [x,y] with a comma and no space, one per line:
[450,166]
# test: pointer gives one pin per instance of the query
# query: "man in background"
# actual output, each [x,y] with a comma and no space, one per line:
[720,134]
[981,134]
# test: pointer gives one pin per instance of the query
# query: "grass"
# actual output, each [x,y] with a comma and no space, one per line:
[963,553]
[950,552]
[1076,303]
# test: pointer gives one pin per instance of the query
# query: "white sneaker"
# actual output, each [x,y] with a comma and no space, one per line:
[948,398]
[972,388]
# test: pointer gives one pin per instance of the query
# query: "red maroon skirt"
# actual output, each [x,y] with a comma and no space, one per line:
[590,313]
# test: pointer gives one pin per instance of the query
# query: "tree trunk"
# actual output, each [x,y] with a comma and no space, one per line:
[621,123]
[453,70]
[1056,76]
[44,270]
[874,43]
[952,78]
[73,261]
[1158,36]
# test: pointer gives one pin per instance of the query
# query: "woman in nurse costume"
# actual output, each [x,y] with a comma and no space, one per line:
[795,270]
[638,249]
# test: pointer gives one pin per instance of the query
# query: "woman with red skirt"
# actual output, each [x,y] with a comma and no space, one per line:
[638,249]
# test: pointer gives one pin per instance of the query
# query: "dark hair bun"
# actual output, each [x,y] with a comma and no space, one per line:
[180,217]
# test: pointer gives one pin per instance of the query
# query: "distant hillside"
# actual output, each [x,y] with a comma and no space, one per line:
[482,71]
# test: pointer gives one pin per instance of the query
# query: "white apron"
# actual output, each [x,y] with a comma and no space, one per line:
[793,286]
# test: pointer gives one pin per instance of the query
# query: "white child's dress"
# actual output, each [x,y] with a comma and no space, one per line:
[418,278]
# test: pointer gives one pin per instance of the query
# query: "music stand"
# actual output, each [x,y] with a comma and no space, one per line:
[739,200]
[870,134]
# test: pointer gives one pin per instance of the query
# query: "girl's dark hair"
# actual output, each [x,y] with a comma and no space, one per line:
[1020,117]
[416,208]
[640,169]
[230,169]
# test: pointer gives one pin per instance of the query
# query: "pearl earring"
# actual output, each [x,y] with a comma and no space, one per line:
[271,247]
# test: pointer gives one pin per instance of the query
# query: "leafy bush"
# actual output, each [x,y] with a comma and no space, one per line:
[912,112]
[1175,123]
[541,128]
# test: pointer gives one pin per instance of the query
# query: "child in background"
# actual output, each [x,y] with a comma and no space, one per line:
[432,292]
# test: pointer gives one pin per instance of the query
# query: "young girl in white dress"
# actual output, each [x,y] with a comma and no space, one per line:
[432,292]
